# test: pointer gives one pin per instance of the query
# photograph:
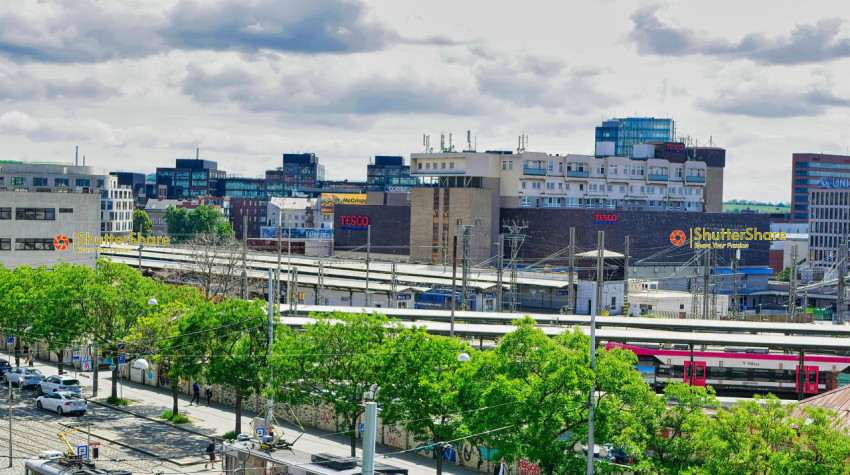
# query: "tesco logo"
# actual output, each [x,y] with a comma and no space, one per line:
[354,220]
[676,147]
[605,218]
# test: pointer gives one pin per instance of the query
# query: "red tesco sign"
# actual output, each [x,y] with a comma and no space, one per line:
[605,218]
[676,147]
[354,220]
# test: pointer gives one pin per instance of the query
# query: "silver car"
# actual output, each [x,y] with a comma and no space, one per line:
[58,384]
[64,402]
[23,377]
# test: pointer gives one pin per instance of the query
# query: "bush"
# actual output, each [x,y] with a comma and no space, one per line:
[117,401]
[229,435]
[178,419]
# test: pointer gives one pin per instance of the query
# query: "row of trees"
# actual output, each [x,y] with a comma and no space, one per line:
[527,398]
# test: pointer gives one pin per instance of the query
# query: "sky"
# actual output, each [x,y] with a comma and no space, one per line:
[138,84]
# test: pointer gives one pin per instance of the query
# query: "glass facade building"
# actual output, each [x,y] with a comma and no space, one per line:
[389,171]
[808,170]
[191,178]
[628,132]
[301,171]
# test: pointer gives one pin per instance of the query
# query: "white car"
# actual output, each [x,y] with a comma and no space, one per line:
[23,377]
[64,402]
[58,384]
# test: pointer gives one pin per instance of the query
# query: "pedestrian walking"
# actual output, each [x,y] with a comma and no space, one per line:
[501,469]
[208,393]
[196,390]
[211,453]
[31,358]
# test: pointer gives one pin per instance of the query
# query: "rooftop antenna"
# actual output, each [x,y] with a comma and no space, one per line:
[84,160]
[442,142]
[197,153]
[76,155]
[469,142]
[451,148]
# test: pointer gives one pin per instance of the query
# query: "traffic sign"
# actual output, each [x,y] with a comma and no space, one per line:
[361,428]
[121,359]
[83,451]
[120,346]
[76,354]
[112,367]
[260,432]
[11,339]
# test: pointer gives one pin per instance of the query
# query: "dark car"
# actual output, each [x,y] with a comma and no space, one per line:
[4,366]
[620,456]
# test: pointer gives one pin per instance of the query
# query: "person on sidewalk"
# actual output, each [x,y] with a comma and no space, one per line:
[208,393]
[196,389]
[501,469]
[211,453]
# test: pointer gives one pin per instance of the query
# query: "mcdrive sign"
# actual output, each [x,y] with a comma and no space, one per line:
[354,222]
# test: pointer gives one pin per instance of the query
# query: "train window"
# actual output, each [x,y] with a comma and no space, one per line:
[762,374]
[664,371]
[678,372]
[813,376]
[783,376]
[739,373]
[716,372]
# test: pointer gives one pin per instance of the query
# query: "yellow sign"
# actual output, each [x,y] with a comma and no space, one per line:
[720,239]
[331,199]
[85,239]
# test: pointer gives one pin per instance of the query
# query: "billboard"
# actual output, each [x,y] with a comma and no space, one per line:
[331,199]
[270,232]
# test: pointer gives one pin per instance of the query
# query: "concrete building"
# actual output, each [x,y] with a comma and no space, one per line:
[116,201]
[156,212]
[829,224]
[295,213]
[32,226]
[813,171]
[190,178]
[136,183]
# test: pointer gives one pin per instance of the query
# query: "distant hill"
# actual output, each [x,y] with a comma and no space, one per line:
[738,206]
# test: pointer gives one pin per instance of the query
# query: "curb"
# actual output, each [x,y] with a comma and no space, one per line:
[153,419]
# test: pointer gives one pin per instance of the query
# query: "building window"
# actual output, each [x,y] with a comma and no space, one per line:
[522,185]
[83,182]
[443,165]
[34,244]
[37,214]
[600,168]
[678,172]
[612,169]
[622,188]
[650,190]
[550,186]
[2,180]
[561,167]
[427,165]
[581,187]
[39,181]
[419,165]
[5,213]
[550,166]
[67,210]
[60,182]
[593,187]
[19,180]
[560,186]
[451,165]
[5,244]
[525,201]
[100,183]
[535,185]
[610,188]
[504,164]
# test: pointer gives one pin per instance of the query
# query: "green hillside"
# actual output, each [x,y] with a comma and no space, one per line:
[736,206]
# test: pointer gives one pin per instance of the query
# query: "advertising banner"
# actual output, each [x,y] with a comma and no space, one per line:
[331,199]
[270,232]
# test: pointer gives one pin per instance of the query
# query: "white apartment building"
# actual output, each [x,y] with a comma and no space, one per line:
[32,225]
[829,224]
[540,180]
[296,213]
[116,202]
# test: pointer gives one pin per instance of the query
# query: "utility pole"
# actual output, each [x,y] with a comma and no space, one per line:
[571,293]
[320,284]
[95,362]
[454,293]
[270,333]
[792,287]
[694,299]
[626,280]
[499,273]
[735,284]
[591,403]
[277,273]
[516,240]
[293,293]
[10,423]
[714,288]
[393,285]
[839,303]
[464,290]
[705,276]
[88,441]
[600,259]
[369,437]
[368,258]
[244,280]
[289,260]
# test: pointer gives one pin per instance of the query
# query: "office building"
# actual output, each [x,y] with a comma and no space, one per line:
[136,183]
[190,178]
[617,137]
[32,225]
[829,224]
[390,174]
[812,171]
[116,201]
[301,171]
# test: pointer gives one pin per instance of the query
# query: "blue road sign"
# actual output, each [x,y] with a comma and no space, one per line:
[121,346]
[260,432]
[11,339]
[361,428]
[121,359]
[76,354]
[83,451]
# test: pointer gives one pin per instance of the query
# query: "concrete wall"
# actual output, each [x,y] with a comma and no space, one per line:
[714,190]
[84,218]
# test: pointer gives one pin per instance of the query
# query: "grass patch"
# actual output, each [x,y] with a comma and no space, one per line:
[117,401]
[178,419]
[229,435]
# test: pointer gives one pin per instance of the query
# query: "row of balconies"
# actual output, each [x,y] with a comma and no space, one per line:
[624,178]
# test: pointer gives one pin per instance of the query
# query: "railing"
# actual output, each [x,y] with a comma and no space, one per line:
[695,179]
[578,174]
[534,171]
[653,176]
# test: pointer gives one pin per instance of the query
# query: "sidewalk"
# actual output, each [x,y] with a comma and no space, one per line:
[215,420]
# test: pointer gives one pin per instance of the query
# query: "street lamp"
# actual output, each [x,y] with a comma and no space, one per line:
[141,364]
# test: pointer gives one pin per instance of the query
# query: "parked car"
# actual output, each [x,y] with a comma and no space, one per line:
[597,451]
[23,377]
[619,455]
[5,366]
[57,384]
[63,402]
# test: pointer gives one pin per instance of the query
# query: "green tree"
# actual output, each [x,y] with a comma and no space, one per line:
[421,385]
[236,344]
[204,219]
[142,223]
[177,221]
[541,386]
[339,360]
[784,275]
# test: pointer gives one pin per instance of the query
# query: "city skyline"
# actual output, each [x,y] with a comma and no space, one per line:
[138,86]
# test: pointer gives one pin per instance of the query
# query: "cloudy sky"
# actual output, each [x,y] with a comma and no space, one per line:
[138,84]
